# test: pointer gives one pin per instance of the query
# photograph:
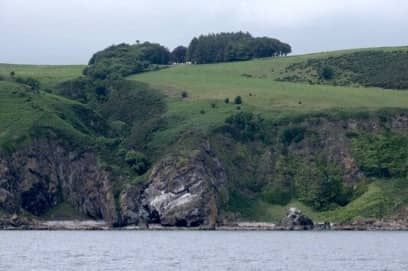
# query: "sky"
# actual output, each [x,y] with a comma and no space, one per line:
[70,31]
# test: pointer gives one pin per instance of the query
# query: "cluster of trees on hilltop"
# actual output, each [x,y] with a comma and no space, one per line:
[121,60]
[224,47]
[124,59]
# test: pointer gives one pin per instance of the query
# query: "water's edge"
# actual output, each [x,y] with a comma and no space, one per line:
[239,226]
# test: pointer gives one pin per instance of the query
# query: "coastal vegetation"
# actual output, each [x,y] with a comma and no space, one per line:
[317,132]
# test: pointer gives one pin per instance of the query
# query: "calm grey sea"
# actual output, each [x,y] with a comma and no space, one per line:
[192,250]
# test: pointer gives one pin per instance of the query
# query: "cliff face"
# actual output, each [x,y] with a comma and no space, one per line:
[324,162]
[44,174]
[316,161]
[181,191]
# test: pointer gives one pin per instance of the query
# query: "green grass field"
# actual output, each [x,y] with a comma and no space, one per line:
[48,75]
[255,82]
[21,111]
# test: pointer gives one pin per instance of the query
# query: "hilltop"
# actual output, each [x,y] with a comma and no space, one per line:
[321,132]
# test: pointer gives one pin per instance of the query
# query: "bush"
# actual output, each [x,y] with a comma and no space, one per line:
[292,135]
[137,161]
[238,100]
[383,155]
[226,100]
[184,94]
[245,126]
[368,68]
[31,82]
[326,73]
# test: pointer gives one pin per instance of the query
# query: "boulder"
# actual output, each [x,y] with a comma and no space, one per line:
[295,220]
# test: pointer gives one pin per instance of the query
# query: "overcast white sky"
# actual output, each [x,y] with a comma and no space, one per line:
[69,31]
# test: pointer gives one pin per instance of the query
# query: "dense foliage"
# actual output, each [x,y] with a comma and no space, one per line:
[122,60]
[224,47]
[29,81]
[179,54]
[245,126]
[384,155]
[264,166]
[367,68]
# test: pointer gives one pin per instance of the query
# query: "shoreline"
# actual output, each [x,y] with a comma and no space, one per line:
[92,225]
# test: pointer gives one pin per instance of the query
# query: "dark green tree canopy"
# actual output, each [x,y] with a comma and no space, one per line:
[123,59]
[179,54]
[224,47]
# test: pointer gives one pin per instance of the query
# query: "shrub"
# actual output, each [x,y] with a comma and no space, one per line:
[245,126]
[184,94]
[292,134]
[383,155]
[202,111]
[29,81]
[238,100]
[326,73]
[213,105]
[137,161]
[226,100]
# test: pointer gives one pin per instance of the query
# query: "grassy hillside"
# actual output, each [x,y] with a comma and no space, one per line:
[255,81]
[279,159]
[25,113]
[48,75]
[385,69]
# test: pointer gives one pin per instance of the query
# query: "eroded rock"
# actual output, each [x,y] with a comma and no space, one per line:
[181,191]
[295,220]
[40,176]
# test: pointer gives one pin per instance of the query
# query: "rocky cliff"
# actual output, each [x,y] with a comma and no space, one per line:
[181,189]
[319,161]
[40,176]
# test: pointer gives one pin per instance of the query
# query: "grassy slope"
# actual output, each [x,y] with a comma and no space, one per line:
[21,111]
[48,75]
[207,84]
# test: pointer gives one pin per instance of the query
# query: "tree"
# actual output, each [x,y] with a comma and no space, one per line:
[238,100]
[137,161]
[29,81]
[326,73]
[179,54]
[122,60]
[239,46]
